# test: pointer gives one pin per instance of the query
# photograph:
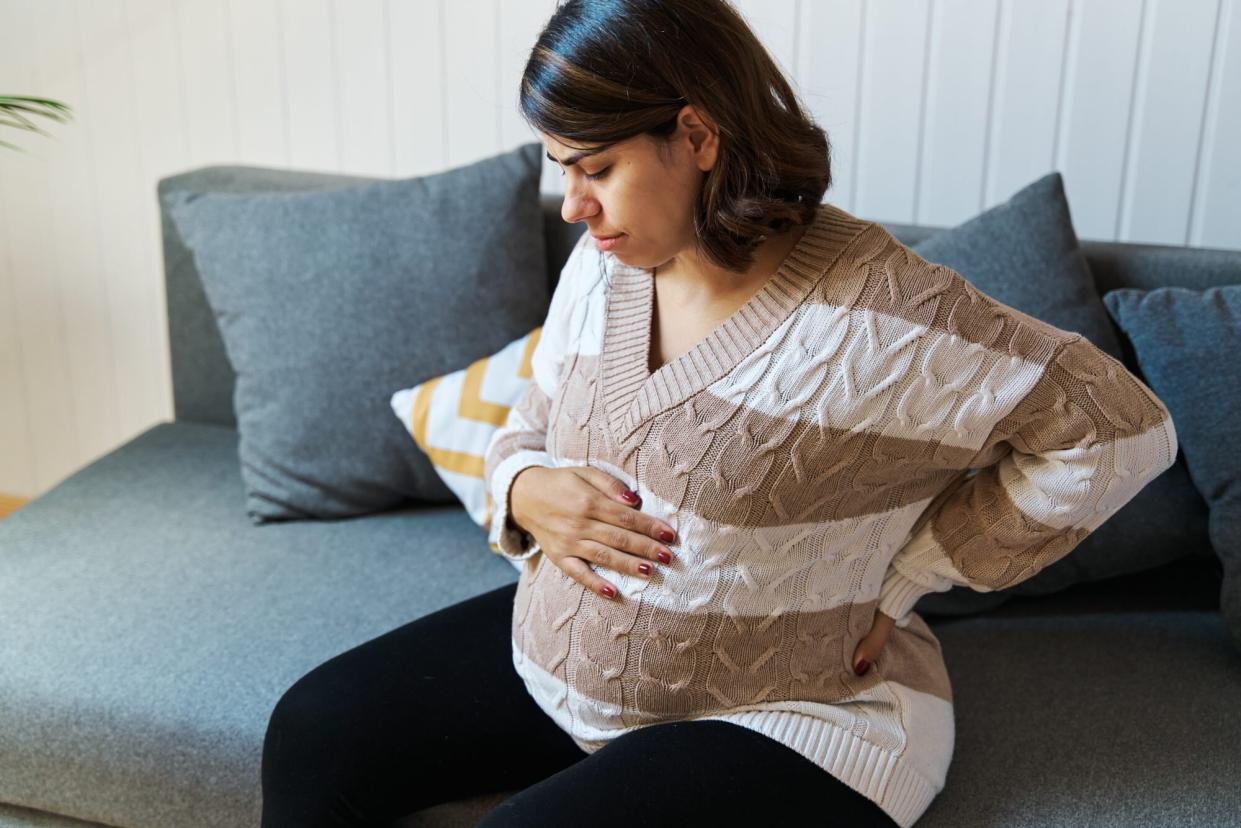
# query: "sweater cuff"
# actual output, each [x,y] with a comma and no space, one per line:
[898,594]
[504,537]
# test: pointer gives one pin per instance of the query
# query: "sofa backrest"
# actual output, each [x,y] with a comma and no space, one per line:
[202,378]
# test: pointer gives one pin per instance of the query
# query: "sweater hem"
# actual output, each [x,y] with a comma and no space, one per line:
[880,775]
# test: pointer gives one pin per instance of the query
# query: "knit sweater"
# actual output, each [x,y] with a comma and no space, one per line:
[868,427]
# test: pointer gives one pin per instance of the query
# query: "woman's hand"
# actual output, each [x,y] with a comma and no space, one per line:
[869,648]
[580,514]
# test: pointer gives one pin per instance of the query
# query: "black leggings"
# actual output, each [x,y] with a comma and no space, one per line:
[433,711]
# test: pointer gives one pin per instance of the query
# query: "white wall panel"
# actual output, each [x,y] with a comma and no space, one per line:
[958,106]
[33,358]
[309,51]
[936,109]
[1027,86]
[61,251]
[416,48]
[1170,106]
[208,80]
[1100,69]
[891,111]
[363,87]
[472,85]
[108,114]
[159,124]
[1216,211]
[829,68]
[255,36]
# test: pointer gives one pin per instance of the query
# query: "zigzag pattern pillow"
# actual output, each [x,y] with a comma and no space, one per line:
[452,417]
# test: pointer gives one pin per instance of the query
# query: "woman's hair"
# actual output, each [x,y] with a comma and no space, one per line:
[604,71]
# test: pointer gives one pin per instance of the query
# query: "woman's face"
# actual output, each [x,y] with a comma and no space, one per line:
[630,189]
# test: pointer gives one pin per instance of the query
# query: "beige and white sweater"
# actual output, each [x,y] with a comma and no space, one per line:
[867,428]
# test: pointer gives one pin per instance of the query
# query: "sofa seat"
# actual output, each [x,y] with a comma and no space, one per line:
[149,628]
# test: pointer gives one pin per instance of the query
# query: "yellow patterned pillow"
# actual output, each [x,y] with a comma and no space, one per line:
[452,417]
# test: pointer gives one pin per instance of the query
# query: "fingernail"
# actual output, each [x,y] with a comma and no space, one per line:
[632,497]
[666,535]
[861,667]
[609,591]
[665,557]
[644,568]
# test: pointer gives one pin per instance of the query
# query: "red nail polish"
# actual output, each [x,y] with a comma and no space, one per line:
[666,535]
[862,667]
[644,568]
[632,497]
[664,556]
[609,591]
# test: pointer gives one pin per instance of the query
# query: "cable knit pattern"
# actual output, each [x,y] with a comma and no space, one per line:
[868,427]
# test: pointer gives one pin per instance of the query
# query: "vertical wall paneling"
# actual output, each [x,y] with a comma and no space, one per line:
[1173,77]
[1100,67]
[363,89]
[254,35]
[209,80]
[109,113]
[935,109]
[25,315]
[417,83]
[958,96]
[1216,211]
[829,62]
[310,75]
[1027,95]
[63,249]
[890,117]
[163,146]
[471,105]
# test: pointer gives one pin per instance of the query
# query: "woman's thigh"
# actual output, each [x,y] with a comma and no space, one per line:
[429,712]
[702,772]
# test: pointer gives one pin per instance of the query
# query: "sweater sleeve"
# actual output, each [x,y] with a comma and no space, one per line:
[1076,448]
[521,441]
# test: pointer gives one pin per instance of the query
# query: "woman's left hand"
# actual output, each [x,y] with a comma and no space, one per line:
[869,648]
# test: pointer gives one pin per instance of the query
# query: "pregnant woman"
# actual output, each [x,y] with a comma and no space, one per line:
[758,429]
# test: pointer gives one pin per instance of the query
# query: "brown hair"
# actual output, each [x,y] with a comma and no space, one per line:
[604,71]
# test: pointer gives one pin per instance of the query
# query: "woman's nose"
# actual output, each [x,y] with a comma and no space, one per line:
[574,211]
[577,206]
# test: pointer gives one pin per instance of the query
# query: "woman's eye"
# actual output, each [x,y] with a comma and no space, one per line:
[595,177]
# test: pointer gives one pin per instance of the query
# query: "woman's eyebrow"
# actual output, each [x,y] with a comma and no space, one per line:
[577,156]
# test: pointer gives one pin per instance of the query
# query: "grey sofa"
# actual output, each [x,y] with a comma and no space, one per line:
[147,628]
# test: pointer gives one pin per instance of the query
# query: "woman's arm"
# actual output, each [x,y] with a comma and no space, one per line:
[1085,439]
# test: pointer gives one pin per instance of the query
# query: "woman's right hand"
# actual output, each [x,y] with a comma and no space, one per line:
[579,514]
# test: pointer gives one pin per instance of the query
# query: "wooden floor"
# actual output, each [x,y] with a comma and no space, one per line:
[10,503]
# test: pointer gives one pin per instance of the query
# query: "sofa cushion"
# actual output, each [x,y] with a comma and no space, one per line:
[1186,342]
[150,627]
[328,300]
[1025,253]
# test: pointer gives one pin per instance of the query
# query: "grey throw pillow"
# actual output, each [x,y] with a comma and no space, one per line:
[1176,334]
[327,300]
[1025,253]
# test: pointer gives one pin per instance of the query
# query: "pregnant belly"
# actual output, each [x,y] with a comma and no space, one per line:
[656,655]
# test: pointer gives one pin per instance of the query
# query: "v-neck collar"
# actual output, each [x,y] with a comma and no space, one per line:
[632,394]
